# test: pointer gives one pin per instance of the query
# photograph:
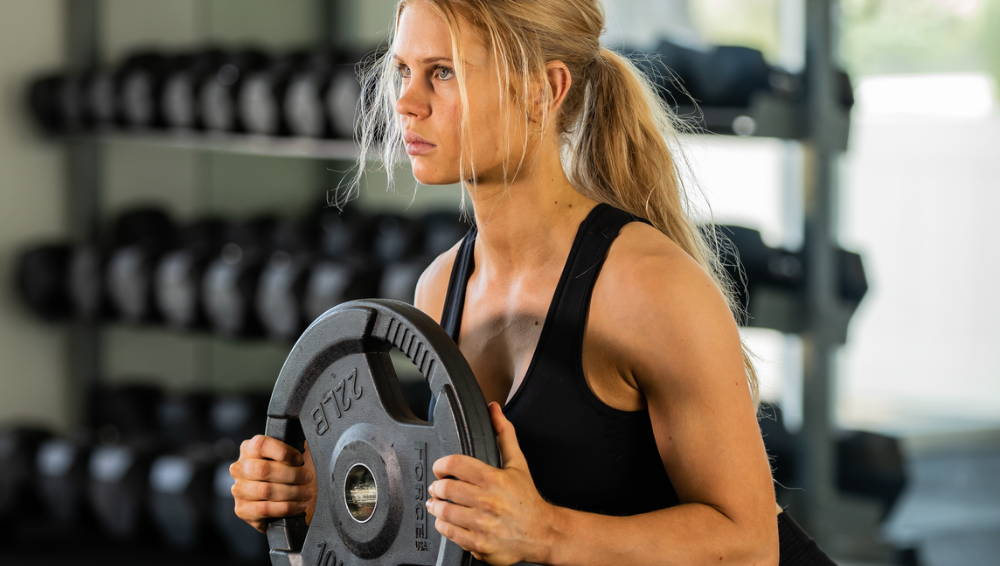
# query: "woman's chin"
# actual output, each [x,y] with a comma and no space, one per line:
[426,176]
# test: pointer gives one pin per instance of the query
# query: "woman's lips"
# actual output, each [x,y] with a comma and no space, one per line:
[419,148]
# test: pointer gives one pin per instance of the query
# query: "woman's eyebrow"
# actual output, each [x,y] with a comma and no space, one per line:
[424,61]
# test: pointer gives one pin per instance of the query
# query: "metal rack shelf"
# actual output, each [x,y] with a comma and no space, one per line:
[768,116]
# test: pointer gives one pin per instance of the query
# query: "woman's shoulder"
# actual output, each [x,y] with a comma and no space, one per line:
[656,290]
[645,268]
[642,254]
[432,287]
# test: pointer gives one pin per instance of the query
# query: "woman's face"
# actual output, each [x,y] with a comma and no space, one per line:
[430,107]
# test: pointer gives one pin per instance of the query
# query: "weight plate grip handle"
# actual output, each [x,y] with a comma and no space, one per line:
[285,536]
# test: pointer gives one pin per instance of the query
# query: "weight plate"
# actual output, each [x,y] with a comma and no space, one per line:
[338,391]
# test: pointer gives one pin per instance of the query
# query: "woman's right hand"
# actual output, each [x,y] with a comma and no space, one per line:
[273,480]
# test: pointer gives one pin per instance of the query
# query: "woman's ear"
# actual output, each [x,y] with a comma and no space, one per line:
[557,83]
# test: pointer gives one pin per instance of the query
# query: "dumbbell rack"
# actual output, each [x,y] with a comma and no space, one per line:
[818,316]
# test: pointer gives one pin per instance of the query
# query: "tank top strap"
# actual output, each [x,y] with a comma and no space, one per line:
[572,297]
[454,302]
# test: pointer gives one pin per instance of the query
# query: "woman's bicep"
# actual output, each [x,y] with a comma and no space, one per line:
[687,359]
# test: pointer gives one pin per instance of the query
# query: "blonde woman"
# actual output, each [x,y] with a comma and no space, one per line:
[592,310]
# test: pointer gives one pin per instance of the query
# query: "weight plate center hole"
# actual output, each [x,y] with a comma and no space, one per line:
[360,493]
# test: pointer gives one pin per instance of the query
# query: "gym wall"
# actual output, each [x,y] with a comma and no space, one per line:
[33,205]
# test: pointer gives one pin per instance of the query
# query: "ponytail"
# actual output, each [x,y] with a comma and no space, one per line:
[620,153]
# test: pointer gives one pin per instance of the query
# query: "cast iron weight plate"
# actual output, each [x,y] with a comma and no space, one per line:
[373,457]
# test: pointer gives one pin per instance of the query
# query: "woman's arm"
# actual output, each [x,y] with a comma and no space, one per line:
[682,348]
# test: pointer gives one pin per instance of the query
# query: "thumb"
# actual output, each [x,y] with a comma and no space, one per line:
[510,450]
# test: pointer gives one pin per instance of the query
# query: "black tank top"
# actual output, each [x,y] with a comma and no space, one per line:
[583,454]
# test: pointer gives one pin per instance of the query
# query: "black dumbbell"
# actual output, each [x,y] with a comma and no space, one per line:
[242,540]
[42,276]
[729,75]
[100,99]
[873,466]
[181,495]
[405,247]
[89,263]
[306,98]
[396,237]
[57,102]
[118,486]
[131,269]
[45,104]
[236,417]
[142,88]
[180,272]
[64,103]
[335,280]
[785,269]
[751,263]
[106,98]
[19,445]
[343,94]
[343,270]
[183,87]
[852,281]
[61,468]
[183,418]
[316,267]
[283,282]
[180,478]
[230,282]
[262,100]
[670,67]
[118,467]
[441,230]
[115,416]
[724,75]
[220,95]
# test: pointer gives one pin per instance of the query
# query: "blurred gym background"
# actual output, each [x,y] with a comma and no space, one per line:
[165,236]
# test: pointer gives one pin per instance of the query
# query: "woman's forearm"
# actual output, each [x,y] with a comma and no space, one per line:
[691,533]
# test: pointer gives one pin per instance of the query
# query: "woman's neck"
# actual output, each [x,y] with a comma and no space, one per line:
[529,223]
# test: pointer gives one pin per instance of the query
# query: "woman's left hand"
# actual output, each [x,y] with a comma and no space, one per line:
[496,514]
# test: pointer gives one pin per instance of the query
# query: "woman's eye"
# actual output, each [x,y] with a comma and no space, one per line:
[403,71]
[447,72]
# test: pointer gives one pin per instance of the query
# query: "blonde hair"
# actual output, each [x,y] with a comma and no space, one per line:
[618,135]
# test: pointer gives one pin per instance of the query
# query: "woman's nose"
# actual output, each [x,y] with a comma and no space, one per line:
[412,101]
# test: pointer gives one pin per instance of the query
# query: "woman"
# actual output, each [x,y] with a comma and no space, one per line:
[587,302]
